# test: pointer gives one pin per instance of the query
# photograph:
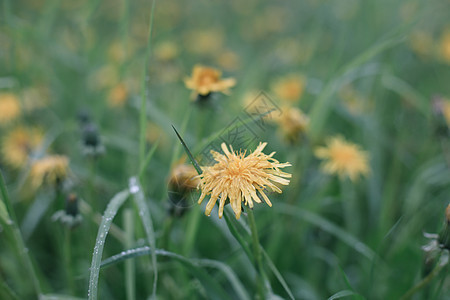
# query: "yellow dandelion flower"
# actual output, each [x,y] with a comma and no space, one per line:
[205,80]
[343,158]
[51,169]
[9,108]
[292,122]
[240,178]
[118,95]
[290,88]
[19,144]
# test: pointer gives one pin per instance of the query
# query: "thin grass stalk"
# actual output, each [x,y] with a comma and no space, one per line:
[67,252]
[262,291]
[20,244]
[130,268]
[443,262]
[144,91]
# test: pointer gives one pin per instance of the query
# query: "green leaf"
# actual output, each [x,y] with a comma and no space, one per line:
[342,294]
[144,213]
[212,287]
[110,212]
[4,216]
[188,152]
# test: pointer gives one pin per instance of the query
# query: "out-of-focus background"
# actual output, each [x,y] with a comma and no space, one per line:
[73,131]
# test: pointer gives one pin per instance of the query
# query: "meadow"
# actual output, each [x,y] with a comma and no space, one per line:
[315,134]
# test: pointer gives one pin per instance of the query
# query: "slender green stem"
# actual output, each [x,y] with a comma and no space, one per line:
[144,82]
[257,255]
[130,268]
[68,259]
[424,282]
[20,244]
[191,232]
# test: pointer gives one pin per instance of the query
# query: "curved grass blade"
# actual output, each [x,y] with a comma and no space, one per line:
[144,213]
[342,294]
[110,212]
[247,251]
[329,227]
[210,285]
[58,297]
[231,276]
[277,273]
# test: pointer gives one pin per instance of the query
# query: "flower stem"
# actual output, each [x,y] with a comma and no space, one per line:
[20,244]
[257,255]
[424,282]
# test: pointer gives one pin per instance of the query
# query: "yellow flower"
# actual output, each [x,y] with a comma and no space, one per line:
[240,178]
[293,122]
[421,42]
[9,108]
[205,80]
[204,41]
[166,51]
[290,88]
[343,158]
[51,169]
[118,95]
[19,144]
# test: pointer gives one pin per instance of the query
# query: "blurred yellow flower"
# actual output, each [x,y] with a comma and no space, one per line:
[354,101]
[18,144]
[35,97]
[421,43]
[292,122]
[445,45]
[228,60]
[118,95]
[204,41]
[205,80]
[343,158]
[51,170]
[241,178]
[289,88]
[166,51]
[9,108]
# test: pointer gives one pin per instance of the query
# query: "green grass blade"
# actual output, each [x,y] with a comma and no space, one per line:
[147,159]
[110,212]
[234,231]
[188,152]
[4,216]
[342,294]
[144,90]
[193,265]
[277,273]
[58,297]
[327,226]
[144,214]
[130,267]
[228,272]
